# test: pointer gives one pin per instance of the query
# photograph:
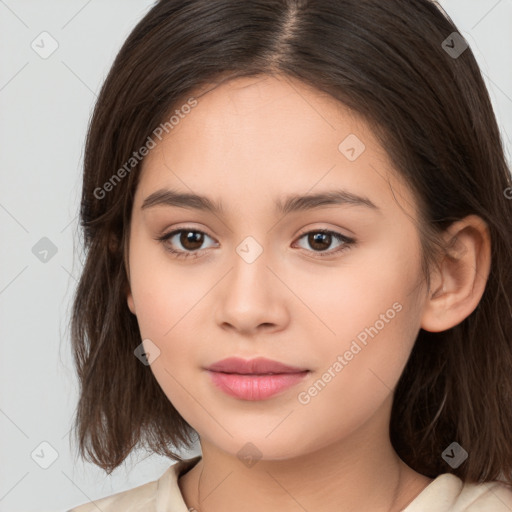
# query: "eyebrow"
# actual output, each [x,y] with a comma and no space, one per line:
[292,203]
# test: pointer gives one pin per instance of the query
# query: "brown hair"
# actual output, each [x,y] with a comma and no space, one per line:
[431,111]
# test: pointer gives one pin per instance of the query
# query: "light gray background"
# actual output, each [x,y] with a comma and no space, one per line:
[45,106]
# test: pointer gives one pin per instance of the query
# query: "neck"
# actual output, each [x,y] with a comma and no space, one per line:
[361,472]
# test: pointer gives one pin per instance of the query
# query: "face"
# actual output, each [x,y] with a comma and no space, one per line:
[333,286]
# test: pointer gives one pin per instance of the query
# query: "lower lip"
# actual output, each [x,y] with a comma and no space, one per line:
[255,387]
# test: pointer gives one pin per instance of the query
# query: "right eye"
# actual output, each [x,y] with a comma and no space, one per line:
[189,238]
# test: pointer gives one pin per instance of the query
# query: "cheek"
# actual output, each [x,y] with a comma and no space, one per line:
[166,294]
[370,294]
[370,318]
[361,367]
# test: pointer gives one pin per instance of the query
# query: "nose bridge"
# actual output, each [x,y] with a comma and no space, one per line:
[249,268]
[250,295]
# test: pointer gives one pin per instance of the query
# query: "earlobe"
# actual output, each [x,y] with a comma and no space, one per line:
[131,305]
[129,298]
[128,288]
[462,276]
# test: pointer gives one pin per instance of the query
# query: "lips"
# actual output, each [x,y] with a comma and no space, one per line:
[257,366]
[256,379]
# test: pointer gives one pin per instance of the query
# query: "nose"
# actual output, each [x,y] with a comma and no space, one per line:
[251,297]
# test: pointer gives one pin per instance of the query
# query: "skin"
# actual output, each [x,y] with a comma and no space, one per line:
[248,142]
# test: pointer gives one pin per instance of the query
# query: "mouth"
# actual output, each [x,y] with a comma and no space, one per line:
[257,366]
[256,379]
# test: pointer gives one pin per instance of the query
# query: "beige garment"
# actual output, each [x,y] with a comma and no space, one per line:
[446,493]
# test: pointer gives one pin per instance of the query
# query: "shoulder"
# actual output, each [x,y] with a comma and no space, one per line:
[448,493]
[139,498]
[148,497]
[495,496]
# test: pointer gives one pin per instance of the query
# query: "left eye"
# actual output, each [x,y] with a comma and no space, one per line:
[322,237]
[191,240]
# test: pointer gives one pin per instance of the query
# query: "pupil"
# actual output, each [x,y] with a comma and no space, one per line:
[322,237]
[189,238]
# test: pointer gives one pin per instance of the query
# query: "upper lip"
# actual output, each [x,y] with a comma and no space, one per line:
[257,366]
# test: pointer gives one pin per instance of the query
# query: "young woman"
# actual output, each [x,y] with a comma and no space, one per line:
[297,220]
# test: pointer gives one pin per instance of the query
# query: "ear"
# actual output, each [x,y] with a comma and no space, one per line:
[460,281]
[129,299]
[114,246]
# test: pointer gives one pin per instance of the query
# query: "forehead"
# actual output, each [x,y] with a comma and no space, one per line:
[264,137]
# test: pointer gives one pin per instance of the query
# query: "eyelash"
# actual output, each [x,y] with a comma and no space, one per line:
[347,242]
